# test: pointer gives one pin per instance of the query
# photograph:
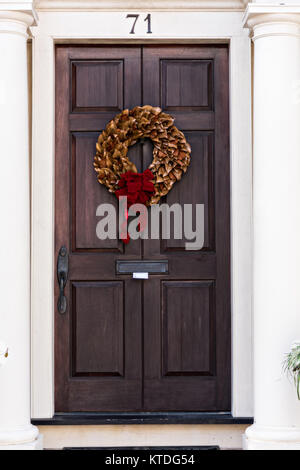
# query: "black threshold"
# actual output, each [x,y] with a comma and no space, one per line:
[141,418]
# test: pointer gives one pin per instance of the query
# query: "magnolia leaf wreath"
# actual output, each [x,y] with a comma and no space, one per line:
[171,156]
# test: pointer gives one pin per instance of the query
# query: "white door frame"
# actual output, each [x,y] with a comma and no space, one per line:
[92,26]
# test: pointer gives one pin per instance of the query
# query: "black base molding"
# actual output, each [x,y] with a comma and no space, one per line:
[141,418]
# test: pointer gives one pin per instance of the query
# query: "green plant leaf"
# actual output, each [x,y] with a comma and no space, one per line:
[291,366]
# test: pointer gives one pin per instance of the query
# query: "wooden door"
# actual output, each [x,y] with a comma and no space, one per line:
[162,344]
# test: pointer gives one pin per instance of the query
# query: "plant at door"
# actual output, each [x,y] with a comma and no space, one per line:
[292,365]
[3,353]
[171,155]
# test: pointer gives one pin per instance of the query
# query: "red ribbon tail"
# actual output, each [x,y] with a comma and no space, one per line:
[124,234]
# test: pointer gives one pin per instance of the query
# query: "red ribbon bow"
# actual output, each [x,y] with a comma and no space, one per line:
[138,188]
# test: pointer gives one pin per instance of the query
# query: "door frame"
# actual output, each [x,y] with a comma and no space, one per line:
[94,27]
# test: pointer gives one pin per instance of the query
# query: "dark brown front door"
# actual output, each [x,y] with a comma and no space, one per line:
[162,344]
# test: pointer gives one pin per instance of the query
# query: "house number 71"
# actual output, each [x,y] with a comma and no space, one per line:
[147,19]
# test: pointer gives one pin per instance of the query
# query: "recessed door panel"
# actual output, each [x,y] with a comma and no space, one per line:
[97,85]
[98,328]
[188,328]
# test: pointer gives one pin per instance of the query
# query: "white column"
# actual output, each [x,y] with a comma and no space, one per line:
[276,220]
[16,431]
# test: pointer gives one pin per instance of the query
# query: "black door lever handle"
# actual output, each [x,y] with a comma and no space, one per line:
[62,277]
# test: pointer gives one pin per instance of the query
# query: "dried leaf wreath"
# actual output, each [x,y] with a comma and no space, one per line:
[171,155]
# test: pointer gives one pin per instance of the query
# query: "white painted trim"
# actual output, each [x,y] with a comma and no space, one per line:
[103,27]
[20,7]
[144,435]
[272,20]
[37,444]
[276,118]
[139,5]
[241,225]
[15,426]
[254,9]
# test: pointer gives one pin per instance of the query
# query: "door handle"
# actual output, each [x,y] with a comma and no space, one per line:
[62,276]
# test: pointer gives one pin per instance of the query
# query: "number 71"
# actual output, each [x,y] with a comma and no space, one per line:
[148,19]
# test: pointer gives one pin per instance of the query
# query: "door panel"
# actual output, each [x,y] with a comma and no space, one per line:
[187,328]
[192,82]
[162,344]
[98,328]
[98,349]
[105,90]
[180,77]
[197,185]
[87,194]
